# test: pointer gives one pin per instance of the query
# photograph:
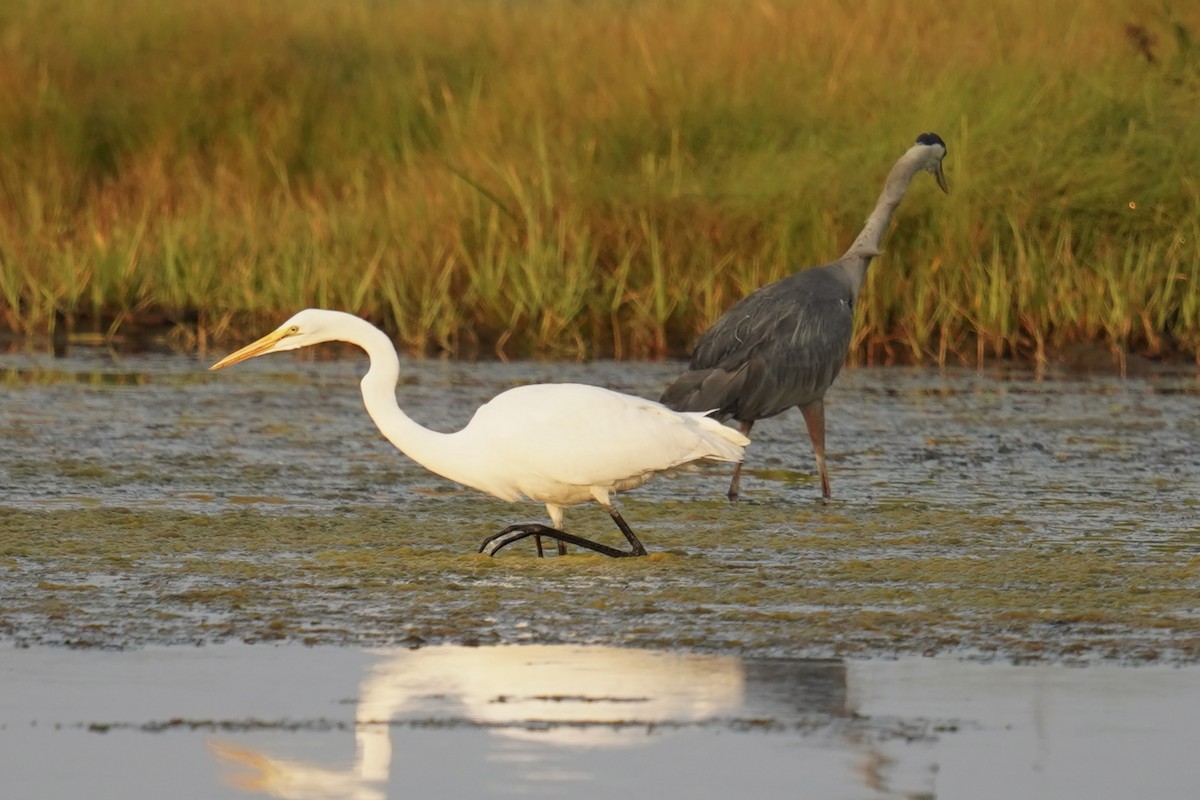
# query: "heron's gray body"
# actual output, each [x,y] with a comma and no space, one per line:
[776,349]
[784,344]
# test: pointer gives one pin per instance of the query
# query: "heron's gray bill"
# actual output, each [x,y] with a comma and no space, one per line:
[941,179]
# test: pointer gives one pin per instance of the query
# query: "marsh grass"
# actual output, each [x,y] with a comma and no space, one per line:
[486,176]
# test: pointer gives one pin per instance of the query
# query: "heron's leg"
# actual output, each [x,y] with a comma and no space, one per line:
[736,483]
[514,533]
[814,418]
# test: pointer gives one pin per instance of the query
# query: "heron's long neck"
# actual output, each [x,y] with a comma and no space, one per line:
[430,449]
[866,245]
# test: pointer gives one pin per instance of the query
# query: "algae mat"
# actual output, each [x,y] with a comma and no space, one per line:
[983,514]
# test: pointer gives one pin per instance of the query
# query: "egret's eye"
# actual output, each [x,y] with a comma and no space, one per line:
[294,329]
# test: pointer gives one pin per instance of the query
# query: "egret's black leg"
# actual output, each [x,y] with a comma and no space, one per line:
[814,418]
[537,538]
[562,548]
[514,533]
[736,483]
[637,549]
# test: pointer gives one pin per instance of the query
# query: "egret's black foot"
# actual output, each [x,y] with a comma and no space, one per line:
[515,533]
[560,547]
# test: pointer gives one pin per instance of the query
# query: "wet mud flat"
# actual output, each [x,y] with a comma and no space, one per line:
[985,515]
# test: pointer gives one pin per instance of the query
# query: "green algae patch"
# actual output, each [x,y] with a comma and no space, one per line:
[761,578]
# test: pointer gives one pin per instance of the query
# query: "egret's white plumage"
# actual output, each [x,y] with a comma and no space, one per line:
[560,444]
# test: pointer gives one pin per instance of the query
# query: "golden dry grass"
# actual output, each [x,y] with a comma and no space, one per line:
[600,178]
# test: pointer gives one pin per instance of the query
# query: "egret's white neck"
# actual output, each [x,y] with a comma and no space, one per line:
[866,245]
[430,449]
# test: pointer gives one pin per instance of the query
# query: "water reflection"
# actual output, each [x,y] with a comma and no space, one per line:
[555,721]
[543,698]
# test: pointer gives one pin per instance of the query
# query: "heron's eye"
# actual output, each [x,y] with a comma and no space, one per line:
[294,329]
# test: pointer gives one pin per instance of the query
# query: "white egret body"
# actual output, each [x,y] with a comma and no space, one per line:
[559,444]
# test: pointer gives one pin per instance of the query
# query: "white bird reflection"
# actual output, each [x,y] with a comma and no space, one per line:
[556,696]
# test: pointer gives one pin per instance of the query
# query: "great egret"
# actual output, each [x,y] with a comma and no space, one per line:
[560,444]
[783,345]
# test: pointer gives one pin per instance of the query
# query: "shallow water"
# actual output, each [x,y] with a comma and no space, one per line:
[598,722]
[158,430]
[983,514]
[984,517]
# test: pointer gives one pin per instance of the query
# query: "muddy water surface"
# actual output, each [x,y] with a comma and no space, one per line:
[978,514]
[1039,538]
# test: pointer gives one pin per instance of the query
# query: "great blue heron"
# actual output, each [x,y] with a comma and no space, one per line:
[783,345]
[561,444]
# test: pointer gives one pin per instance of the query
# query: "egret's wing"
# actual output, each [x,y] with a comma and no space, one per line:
[586,435]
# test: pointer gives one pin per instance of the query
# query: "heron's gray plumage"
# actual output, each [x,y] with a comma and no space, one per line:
[784,344]
[765,356]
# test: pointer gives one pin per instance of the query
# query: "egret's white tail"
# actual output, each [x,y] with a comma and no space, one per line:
[726,443]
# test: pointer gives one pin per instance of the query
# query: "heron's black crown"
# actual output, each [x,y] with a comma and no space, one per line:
[930,138]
